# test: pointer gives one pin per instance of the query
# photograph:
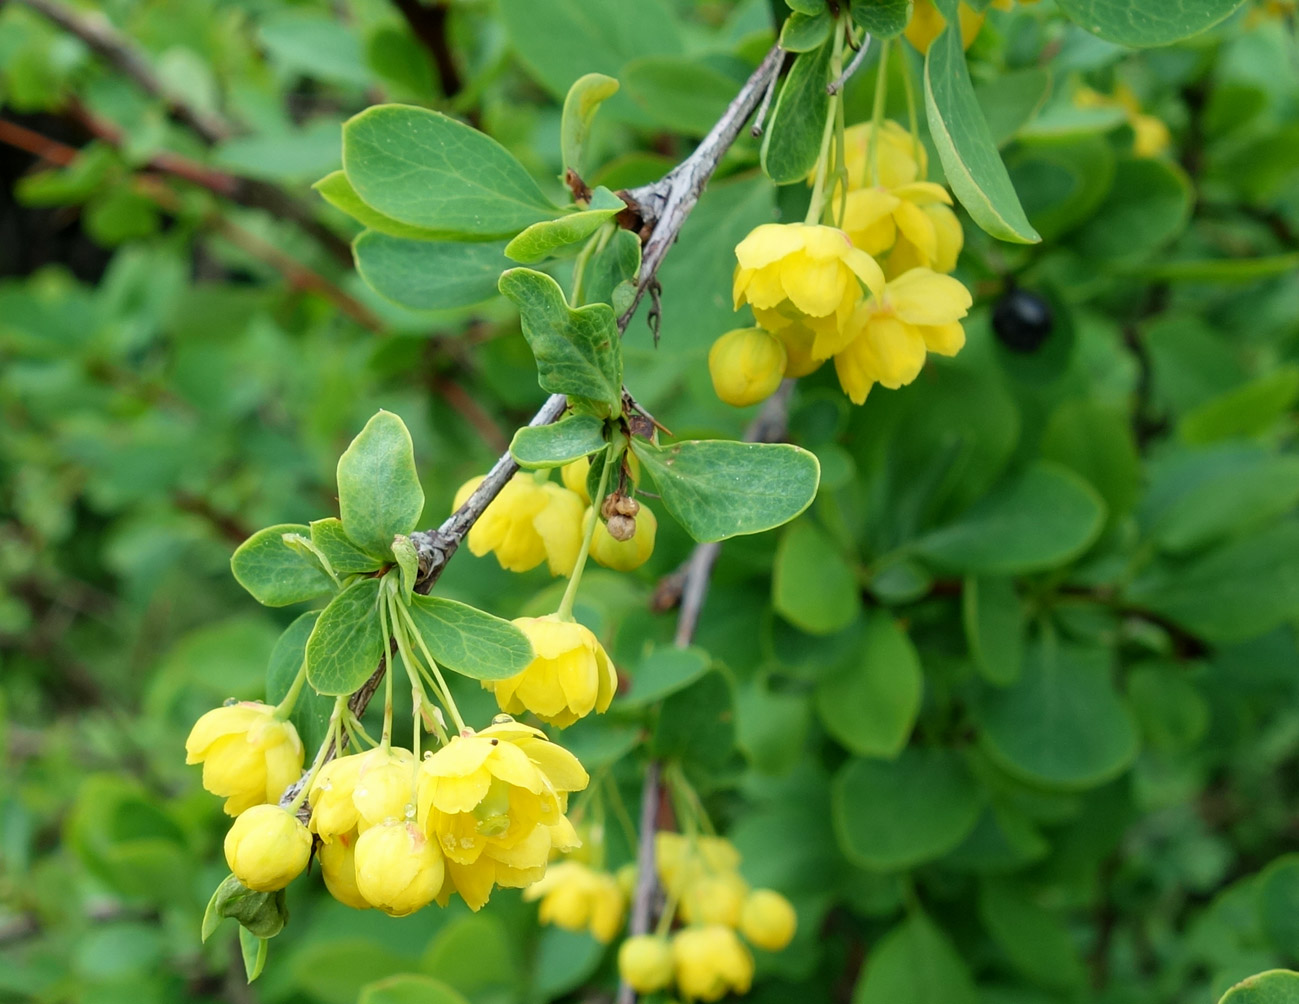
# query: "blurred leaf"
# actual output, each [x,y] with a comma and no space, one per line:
[915,963]
[1249,410]
[312,712]
[1011,100]
[696,725]
[1096,442]
[679,93]
[1147,206]
[882,18]
[470,641]
[475,955]
[870,705]
[1034,939]
[426,275]
[408,988]
[379,494]
[805,32]
[994,617]
[812,585]
[1147,22]
[664,671]
[314,45]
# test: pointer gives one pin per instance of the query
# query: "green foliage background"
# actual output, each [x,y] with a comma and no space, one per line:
[1010,713]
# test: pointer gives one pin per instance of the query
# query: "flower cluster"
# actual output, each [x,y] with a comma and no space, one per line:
[578,897]
[871,294]
[1150,135]
[706,958]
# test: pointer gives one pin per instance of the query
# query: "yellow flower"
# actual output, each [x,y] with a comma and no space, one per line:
[926,23]
[1150,135]
[267,847]
[920,312]
[901,158]
[645,962]
[715,899]
[529,522]
[248,755]
[768,920]
[711,962]
[578,898]
[359,791]
[495,802]
[338,868]
[624,555]
[570,677]
[802,272]
[798,340]
[398,869]
[682,861]
[574,476]
[746,366]
[940,256]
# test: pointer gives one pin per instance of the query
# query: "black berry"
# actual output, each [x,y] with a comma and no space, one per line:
[1022,320]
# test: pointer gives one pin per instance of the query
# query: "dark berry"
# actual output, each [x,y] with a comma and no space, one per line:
[1022,320]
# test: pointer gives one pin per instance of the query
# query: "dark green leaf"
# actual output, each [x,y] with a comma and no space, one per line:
[425,275]
[1144,23]
[1251,409]
[696,726]
[1095,441]
[804,32]
[882,18]
[1033,938]
[274,573]
[1278,904]
[664,671]
[312,712]
[612,270]
[993,615]
[379,494]
[345,645]
[470,641]
[870,705]
[792,139]
[1147,206]
[679,93]
[915,963]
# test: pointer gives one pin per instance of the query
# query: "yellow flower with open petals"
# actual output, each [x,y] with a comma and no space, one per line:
[248,755]
[901,158]
[570,677]
[362,790]
[919,312]
[875,217]
[529,522]
[578,898]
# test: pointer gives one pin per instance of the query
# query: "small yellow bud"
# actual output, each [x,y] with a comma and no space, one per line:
[267,847]
[645,962]
[711,962]
[624,555]
[398,869]
[574,476]
[715,899]
[248,755]
[768,920]
[338,868]
[746,365]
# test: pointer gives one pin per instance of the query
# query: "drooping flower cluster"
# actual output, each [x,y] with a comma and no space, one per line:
[871,295]
[577,897]
[706,958]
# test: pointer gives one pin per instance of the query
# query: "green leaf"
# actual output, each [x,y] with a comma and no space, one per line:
[253,950]
[805,32]
[792,139]
[696,725]
[312,712]
[1060,183]
[663,672]
[882,18]
[1171,711]
[1042,519]
[1238,590]
[572,437]
[1095,441]
[678,92]
[403,550]
[1033,938]
[894,815]
[274,573]
[965,145]
[1061,724]
[1251,409]
[1275,986]
[541,240]
[470,641]
[343,556]
[718,488]
[475,955]
[1278,903]
[1009,101]
[1147,206]
[578,351]
[612,271]
[1004,840]
[1219,270]
[870,705]
[379,494]
[409,988]
[335,189]
[1144,23]
[421,167]
[346,644]
[812,585]
[993,615]
[429,276]
[580,105]
[915,963]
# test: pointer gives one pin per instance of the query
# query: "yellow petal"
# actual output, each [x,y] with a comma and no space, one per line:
[866,269]
[922,192]
[922,296]
[898,350]
[918,229]
[768,243]
[945,339]
[813,284]
[855,370]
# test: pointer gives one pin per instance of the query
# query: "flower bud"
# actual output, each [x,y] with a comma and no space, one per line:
[768,920]
[398,869]
[248,755]
[746,365]
[711,962]
[645,963]
[338,868]
[574,477]
[715,899]
[623,555]
[267,847]
[570,677]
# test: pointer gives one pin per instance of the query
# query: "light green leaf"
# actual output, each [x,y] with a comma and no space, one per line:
[993,615]
[890,816]
[574,436]
[578,351]
[403,550]
[1061,724]
[1222,270]
[1044,518]
[679,93]
[1095,441]
[1143,23]
[664,671]
[274,573]
[345,645]
[882,18]
[966,147]
[870,705]
[335,189]
[792,139]
[719,488]
[1147,206]
[253,950]
[612,271]
[470,641]
[344,557]
[580,105]
[379,494]
[915,963]
[1275,986]
[1009,101]
[424,275]
[409,988]
[812,585]
[1033,938]
[805,32]
[541,240]
[421,167]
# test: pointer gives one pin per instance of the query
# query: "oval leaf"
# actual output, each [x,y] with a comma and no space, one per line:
[543,239]
[346,644]
[870,705]
[537,446]
[1148,22]
[423,168]
[408,988]
[717,488]
[275,574]
[915,964]
[1276,986]
[812,585]
[429,276]
[793,137]
[469,641]
[335,189]
[379,494]
[993,615]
